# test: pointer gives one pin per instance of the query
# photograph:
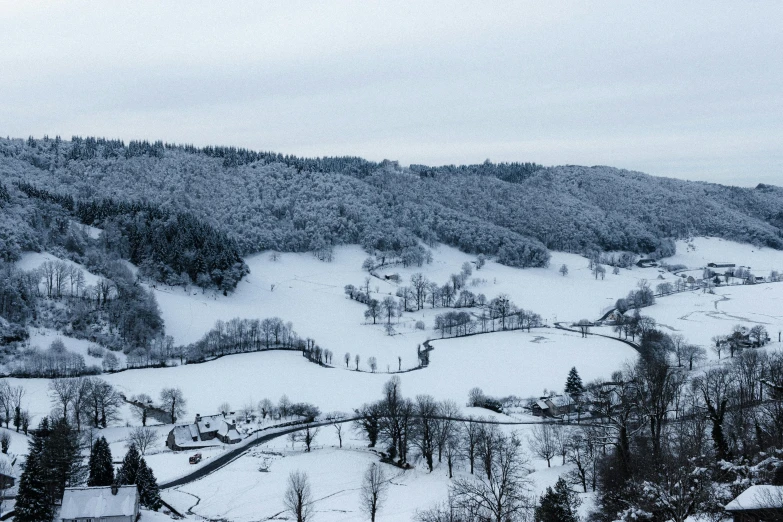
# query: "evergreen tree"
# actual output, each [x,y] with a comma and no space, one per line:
[101,467]
[574,386]
[558,505]
[149,493]
[33,503]
[129,471]
[62,458]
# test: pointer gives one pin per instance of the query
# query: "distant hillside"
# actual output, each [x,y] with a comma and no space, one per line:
[513,211]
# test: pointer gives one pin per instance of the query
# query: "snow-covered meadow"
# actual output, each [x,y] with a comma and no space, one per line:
[309,293]
[242,492]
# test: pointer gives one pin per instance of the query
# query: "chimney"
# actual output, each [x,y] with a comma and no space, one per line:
[114,489]
[198,418]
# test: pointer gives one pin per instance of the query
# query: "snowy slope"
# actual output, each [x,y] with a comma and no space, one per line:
[310,294]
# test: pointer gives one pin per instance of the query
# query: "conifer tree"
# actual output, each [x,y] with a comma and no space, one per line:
[574,386]
[558,505]
[129,471]
[32,501]
[62,458]
[149,493]
[101,467]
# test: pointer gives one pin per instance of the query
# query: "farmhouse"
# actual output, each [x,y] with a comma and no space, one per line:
[721,265]
[212,430]
[646,263]
[544,407]
[7,481]
[100,504]
[757,504]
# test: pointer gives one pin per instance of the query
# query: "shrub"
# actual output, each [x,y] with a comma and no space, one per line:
[95,351]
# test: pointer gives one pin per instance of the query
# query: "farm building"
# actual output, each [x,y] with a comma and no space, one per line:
[721,265]
[646,263]
[211,430]
[100,504]
[757,504]
[544,407]
[7,481]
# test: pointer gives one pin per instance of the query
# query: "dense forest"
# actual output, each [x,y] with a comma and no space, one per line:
[514,211]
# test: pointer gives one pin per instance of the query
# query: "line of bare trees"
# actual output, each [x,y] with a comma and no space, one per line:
[431,429]
[244,335]
[11,406]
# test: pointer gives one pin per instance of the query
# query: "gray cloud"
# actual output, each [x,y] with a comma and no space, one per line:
[688,91]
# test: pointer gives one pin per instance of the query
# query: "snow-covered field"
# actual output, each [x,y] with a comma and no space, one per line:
[308,292]
[33,260]
[697,252]
[699,316]
[241,492]
[502,363]
[43,338]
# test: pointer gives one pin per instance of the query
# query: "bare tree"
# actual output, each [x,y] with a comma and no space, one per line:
[692,354]
[62,392]
[717,344]
[173,401]
[543,442]
[502,494]
[265,408]
[372,362]
[309,435]
[298,497]
[584,327]
[347,358]
[143,437]
[716,387]
[419,283]
[338,427]
[564,270]
[140,407]
[357,359]
[389,308]
[446,425]
[425,431]
[374,488]
[471,431]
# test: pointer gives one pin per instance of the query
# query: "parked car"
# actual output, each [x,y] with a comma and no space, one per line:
[195,459]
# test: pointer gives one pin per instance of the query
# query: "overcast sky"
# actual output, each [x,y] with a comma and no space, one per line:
[691,91]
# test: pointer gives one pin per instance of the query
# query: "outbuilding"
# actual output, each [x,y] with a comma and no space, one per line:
[100,504]
[759,503]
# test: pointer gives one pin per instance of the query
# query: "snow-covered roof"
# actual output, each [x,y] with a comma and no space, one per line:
[99,502]
[559,400]
[183,435]
[211,423]
[542,405]
[758,497]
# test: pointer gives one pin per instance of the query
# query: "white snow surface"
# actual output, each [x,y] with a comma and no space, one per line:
[33,260]
[310,293]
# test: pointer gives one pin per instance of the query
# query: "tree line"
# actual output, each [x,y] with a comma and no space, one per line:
[172,247]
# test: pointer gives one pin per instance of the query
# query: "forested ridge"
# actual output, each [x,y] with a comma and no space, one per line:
[514,211]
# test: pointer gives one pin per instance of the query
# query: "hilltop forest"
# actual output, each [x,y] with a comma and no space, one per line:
[210,206]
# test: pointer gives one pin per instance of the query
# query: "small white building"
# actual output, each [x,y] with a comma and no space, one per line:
[758,503]
[100,504]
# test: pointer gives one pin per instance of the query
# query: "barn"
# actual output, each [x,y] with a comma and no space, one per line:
[100,504]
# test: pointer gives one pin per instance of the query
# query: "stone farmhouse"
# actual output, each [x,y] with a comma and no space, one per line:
[212,430]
